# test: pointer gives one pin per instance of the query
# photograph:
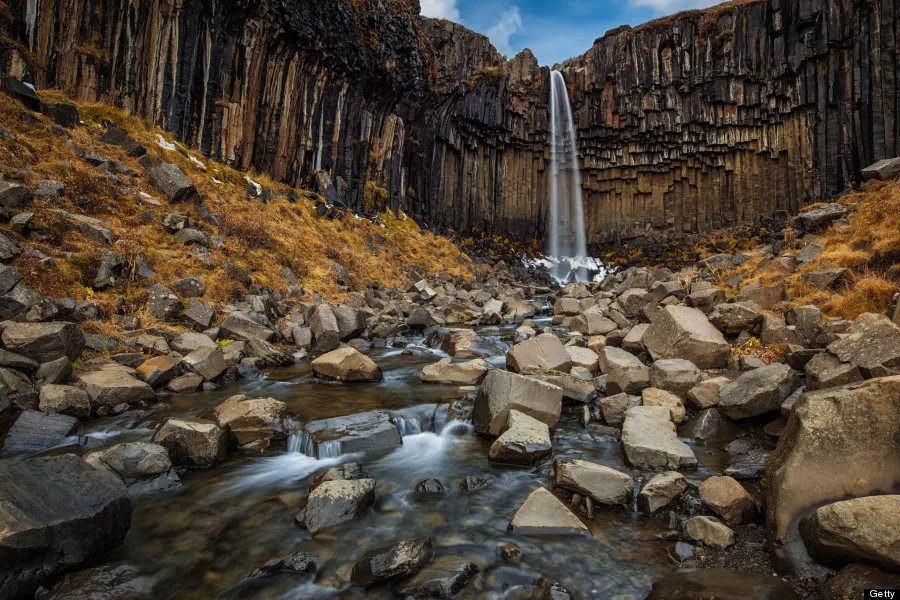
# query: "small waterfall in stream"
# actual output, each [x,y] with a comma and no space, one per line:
[566,244]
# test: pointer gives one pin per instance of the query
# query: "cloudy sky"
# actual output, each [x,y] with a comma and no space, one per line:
[554,29]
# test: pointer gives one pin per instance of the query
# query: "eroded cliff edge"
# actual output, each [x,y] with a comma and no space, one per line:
[699,121]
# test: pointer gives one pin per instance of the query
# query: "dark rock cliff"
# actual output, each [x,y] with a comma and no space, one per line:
[702,120]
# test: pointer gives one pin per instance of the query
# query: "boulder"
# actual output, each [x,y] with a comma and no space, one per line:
[658,397]
[208,363]
[650,442]
[142,466]
[192,442]
[503,391]
[583,357]
[118,137]
[170,180]
[853,581]
[461,373]
[682,332]
[574,388]
[825,370]
[706,393]
[158,371]
[850,434]
[188,382]
[336,502]
[821,216]
[542,352]
[542,513]
[347,365]
[614,407]
[600,483]
[198,315]
[886,168]
[58,513]
[736,317]
[444,578]
[351,321]
[728,499]
[525,441]
[872,343]
[34,432]
[764,296]
[107,582]
[592,322]
[343,472]
[110,387]
[634,340]
[709,531]
[185,343]
[466,344]
[362,432]
[824,279]
[396,561]
[864,530]
[758,391]
[718,582]
[662,491]
[65,400]
[241,326]
[325,329]
[675,375]
[253,423]
[624,372]
[44,342]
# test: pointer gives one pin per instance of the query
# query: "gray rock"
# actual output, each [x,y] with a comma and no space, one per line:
[824,279]
[163,303]
[574,388]
[524,442]
[8,249]
[193,237]
[107,582]
[34,432]
[295,562]
[59,514]
[503,391]
[192,442]
[662,491]
[253,423]
[736,317]
[185,343]
[873,344]
[144,467]
[826,370]
[592,322]
[190,287]
[682,332]
[207,362]
[66,400]
[709,531]
[460,373]
[14,197]
[335,502]
[820,217]
[396,561]
[118,137]
[110,387]
[544,352]
[598,482]
[650,442]
[171,181]
[444,578]
[614,407]
[188,382]
[241,326]
[362,432]
[624,372]
[198,315]
[758,391]
[44,342]
[543,514]
[346,364]
[675,375]
[9,277]
[325,328]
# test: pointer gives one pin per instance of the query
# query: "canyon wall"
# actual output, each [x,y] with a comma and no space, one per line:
[698,121]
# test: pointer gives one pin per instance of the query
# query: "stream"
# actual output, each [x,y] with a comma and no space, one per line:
[203,539]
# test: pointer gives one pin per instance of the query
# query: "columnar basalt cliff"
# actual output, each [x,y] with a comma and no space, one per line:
[698,121]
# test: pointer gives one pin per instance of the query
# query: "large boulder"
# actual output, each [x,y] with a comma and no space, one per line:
[718,582]
[208,363]
[542,513]
[336,502]
[66,400]
[396,561]
[736,317]
[542,352]
[325,328]
[592,322]
[456,373]
[192,442]
[657,397]
[706,393]
[44,342]
[503,391]
[241,326]
[873,344]
[525,441]
[170,180]
[253,423]
[650,442]
[142,466]
[662,491]
[35,432]
[675,375]
[110,387]
[574,388]
[682,332]
[865,530]
[625,373]
[346,364]
[614,407]
[58,513]
[362,432]
[758,391]
[852,434]
[728,499]
[602,484]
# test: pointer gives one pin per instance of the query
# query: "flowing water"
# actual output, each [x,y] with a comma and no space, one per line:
[567,247]
[202,540]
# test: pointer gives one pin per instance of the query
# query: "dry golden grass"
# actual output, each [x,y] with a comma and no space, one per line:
[262,238]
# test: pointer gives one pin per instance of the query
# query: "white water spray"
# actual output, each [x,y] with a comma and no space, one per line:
[566,237]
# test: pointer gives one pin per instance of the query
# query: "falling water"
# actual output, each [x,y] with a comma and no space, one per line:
[566,235]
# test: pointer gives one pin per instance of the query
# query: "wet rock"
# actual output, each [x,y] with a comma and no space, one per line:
[503,391]
[473,483]
[430,487]
[192,442]
[362,432]
[461,373]
[709,531]
[748,466]
[728,499]
[864,530]
[853,581]
[707,424]
[188,382]
[509,552]
[624,372]
[347,365]
[108,582]
[718,582]
[650,442]
[524,441]
[444,578]
[109,387]
[65,400]
[543,352]
[661,492]
[59,513]
[295,562]
[253,423]
[547,589]
[466,344]
[614,407]
[675,375]
[336,502]
[158,371]
[144,467]
[163,303]
[850,433]
[44,342]
[668,400]
[706,393]
[600,483]
[34,432]
[542,513]
[682,332]
[241,326]
[396,561]
[574,388]
[343,472]
[170,180]
[758,391]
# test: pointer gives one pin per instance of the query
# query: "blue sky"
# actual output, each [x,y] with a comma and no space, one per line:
[554,30]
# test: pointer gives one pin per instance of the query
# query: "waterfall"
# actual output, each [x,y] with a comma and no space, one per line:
[566,238]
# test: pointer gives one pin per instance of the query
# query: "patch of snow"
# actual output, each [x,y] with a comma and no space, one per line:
[162,143]
[255,185]
[197,162]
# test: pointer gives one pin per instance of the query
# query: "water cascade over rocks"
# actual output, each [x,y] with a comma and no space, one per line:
[566,243]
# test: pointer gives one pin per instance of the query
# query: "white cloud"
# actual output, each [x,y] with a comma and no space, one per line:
[673,6]
[509,23]
[440,9]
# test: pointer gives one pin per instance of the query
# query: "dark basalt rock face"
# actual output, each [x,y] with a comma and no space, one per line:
[698,121]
